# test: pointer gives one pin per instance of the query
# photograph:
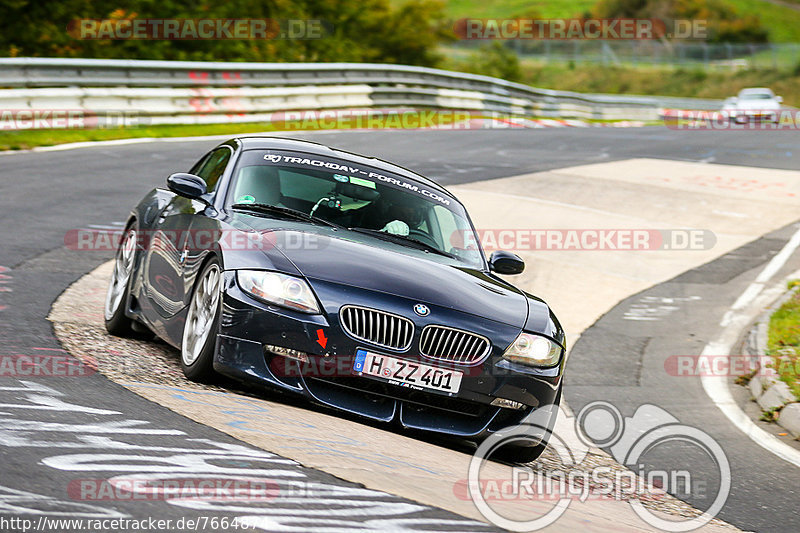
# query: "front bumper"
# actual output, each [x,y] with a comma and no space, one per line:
[248,326]
[744,115]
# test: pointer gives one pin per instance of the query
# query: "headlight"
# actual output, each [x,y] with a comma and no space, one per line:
[533,350]
[279,289]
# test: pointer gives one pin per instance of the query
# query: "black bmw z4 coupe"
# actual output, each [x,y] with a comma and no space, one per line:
[349,280]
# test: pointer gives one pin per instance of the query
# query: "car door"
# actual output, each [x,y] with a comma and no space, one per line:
[172,257]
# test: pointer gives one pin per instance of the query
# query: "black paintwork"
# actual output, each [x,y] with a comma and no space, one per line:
[342,267]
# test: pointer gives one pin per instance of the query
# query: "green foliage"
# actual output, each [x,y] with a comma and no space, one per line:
[784,325]
[783,341]
[725,23]
[494,59]
[515,8]
[667,81]
[770,415]
[355,30]
[411,34]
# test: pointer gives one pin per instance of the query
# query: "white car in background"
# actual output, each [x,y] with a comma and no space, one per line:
[753,104]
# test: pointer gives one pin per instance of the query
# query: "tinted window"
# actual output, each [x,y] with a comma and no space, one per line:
[356,196]
[211,167]
[197,166]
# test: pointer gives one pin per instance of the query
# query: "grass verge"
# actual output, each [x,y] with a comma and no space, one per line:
[780,18]
[783,339]
[410,119]
[644,80]
[26,139]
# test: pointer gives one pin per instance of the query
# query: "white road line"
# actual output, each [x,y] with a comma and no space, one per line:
[744,310]
[140,140]
[550,123]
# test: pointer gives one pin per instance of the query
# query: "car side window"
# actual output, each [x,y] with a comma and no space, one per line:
[211,167]
[197,166]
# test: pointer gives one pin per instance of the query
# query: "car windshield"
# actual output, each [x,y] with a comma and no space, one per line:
[756,96]
[368,200]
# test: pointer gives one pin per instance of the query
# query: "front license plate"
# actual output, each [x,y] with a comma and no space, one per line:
[406,373]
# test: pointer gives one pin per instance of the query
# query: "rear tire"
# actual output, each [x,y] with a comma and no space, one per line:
[202,323]
[117,323]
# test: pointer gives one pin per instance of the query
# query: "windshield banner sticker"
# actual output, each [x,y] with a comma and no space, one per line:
[318,163]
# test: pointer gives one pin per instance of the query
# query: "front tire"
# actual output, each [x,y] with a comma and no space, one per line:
[117,323]
[202,323]
[528,454]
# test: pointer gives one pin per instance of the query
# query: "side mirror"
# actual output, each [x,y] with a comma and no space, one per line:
[779,99]
[187,185]
[506,263]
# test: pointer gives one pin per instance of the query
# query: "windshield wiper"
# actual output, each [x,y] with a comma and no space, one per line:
[402,239]
[287,211]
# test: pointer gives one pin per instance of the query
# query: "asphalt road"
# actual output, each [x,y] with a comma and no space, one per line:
[43,195]
[630,362]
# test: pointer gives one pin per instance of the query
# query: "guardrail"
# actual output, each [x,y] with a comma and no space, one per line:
[204,92]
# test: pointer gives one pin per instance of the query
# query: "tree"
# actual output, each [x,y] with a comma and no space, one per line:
[725,23]
[353,30]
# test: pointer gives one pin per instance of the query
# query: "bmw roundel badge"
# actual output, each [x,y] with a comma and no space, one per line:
[422,310]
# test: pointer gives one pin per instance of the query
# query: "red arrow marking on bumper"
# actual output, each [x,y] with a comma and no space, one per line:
[321,338]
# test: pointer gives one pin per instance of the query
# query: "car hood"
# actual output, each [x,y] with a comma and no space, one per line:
[369,263]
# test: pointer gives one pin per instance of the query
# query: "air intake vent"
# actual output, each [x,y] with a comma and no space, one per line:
[453,345]
[377,327]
